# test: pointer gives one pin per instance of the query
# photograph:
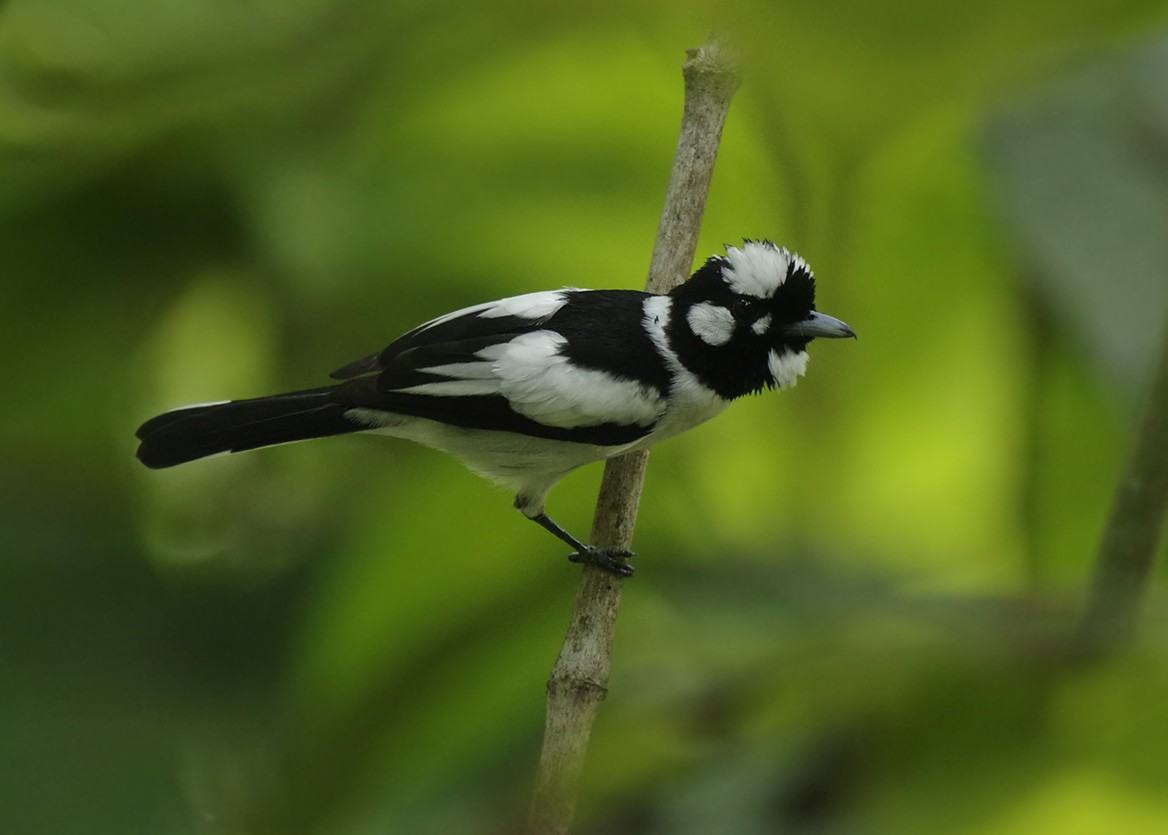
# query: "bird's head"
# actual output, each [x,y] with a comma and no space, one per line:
[743,320]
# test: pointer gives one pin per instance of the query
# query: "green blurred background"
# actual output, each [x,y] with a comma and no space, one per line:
[846,595]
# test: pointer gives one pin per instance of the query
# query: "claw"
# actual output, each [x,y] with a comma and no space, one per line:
[613,561]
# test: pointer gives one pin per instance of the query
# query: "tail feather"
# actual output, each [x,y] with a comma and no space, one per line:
[235,426]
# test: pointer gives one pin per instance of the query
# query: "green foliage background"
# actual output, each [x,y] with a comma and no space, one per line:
[847,595]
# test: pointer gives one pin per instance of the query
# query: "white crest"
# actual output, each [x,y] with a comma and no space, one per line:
[759,268]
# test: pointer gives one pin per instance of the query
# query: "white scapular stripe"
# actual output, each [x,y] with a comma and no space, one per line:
[533,306]
[711,323]
[530,305]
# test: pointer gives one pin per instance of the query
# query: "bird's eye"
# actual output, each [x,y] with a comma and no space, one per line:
[745,308]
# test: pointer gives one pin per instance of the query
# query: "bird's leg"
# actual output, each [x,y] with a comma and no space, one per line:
[613,561]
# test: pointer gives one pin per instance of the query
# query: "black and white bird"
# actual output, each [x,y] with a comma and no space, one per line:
[526,389]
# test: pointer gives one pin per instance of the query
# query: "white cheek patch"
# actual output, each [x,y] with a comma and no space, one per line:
[711,323]
[786,368]
[760,327]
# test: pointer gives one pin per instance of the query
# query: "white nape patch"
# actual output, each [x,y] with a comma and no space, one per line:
[657,310]
[758,269]
[760,327]
[786,368]
[711,323]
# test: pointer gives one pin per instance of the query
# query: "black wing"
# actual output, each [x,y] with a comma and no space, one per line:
[568,365]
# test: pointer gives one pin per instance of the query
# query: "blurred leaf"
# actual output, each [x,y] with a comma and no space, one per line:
[1082,167]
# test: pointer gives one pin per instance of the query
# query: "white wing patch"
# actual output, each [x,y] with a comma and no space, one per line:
[758,269]
[463,370]
[540,383]
[711,323]
[786,368]
[454,388]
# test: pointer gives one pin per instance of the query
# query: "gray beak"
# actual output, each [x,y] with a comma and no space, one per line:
[821,326]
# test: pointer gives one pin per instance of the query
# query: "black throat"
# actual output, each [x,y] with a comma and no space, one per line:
[732,370]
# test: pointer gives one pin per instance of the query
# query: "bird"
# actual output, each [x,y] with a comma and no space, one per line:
[526,389]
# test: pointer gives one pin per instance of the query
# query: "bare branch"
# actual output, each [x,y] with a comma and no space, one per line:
[1135,528]
[579,680]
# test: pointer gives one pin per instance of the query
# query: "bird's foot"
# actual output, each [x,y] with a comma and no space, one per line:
[614,561]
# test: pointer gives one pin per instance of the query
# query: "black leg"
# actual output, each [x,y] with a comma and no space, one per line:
[613,561]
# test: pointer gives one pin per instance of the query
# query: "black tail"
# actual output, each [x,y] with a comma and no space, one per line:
[198,431]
